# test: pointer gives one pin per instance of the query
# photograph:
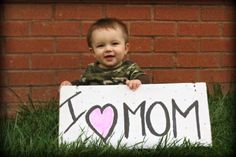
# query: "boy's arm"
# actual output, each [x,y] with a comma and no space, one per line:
[75,82]
[144,79]
[137,73]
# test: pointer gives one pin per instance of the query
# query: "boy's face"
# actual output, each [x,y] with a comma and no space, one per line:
[109,47]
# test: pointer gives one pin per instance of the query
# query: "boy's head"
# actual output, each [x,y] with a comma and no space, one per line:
[107,23]
[108,41]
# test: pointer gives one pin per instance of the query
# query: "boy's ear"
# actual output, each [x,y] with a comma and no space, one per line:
[126,48]
[91,50]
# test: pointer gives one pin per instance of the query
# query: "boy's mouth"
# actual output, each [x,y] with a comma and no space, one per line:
[109,57]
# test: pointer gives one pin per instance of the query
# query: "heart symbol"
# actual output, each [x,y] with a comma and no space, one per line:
[102,120]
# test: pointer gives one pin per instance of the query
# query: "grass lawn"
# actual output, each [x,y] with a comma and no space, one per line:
[34,132]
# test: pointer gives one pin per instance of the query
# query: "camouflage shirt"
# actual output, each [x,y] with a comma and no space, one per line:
[94,75]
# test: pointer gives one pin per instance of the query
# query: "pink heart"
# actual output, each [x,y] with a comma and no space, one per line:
[102,120]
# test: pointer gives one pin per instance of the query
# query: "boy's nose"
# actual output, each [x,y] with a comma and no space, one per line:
[108,48]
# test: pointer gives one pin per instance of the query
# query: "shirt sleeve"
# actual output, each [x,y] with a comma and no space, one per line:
[75,82]
[137,73]
[144,79]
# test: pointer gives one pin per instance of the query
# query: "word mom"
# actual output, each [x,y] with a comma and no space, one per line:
[133,119]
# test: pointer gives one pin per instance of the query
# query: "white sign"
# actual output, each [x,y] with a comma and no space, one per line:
[117,115]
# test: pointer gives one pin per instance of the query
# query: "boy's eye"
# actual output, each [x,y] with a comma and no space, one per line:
[100,45]
[115,43]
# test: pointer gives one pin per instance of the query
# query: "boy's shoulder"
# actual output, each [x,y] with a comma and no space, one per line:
[130,65]
[128,62]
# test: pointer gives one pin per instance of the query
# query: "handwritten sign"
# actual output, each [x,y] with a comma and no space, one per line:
[115,114]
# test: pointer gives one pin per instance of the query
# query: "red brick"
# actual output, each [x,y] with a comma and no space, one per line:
[72,45]
[29,45]
[165,44]
[69,75]
[11,109]
[55,61]
[176,44]
[153,60]
[206,2]
[14,94]
[140,44]
[198,60]
[161,29]
[55,29]
[181,13]
[217,75]
[33,78]
[129,12]
[18,28]
[175,75]
[199,29]
[78,11]
[217,45]
[14,62]
[3,79]
[229,29]
[186,44]
[228,60]
[147,2]
[87,59]
[218,13]
[28,11]
[84,27]
[45,93]
[225,87]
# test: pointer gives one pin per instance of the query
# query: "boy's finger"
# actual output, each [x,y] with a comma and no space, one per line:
[136,86]
[130,85]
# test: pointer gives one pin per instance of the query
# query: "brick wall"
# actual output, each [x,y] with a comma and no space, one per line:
[173,41]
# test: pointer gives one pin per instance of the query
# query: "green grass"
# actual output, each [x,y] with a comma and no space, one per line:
[34,132]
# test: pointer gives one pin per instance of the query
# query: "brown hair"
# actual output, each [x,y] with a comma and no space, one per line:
[107,23]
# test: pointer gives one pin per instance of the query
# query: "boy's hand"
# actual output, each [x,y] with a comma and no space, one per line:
[64,83]
[133,84]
